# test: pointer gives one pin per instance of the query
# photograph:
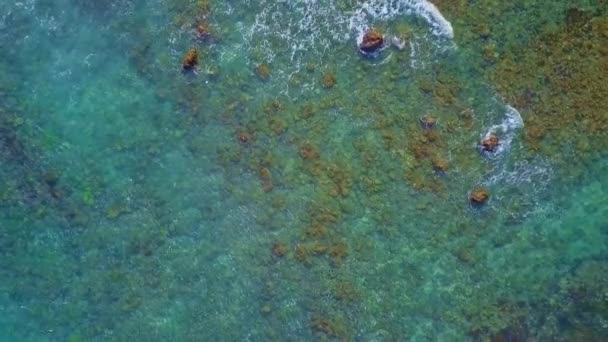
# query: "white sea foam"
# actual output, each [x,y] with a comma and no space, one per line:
[400,43]
[389,9]
[415,62]
[531,179]
[533,175]
[312,27]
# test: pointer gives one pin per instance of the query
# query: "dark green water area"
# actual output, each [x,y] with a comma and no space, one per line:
[287,188]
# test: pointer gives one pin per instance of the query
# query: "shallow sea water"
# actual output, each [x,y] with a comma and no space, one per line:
[139,201]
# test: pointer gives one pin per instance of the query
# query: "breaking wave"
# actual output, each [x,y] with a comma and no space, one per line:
[386,10]
[295,28]
[522,183]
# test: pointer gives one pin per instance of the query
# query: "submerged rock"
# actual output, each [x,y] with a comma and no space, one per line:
[309,152]
[266,309]
[263,71]
[279,249]
[191,59]
[479,196]
[440,165]
[489,143]
[372,41]
[244,137]
[51,179]
[428,122]
[266,177]
[202,31]
[328,80]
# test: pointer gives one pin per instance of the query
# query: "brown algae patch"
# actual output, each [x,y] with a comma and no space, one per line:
[568,104]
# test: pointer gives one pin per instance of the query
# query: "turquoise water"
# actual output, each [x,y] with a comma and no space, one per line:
[139,201]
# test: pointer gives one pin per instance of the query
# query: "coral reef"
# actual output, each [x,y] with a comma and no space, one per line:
[305,194]
[338,251]
[563,60]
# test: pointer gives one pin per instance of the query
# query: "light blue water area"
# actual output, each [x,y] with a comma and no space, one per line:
[141,201]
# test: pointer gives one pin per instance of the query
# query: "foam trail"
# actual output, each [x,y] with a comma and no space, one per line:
[535,175]
[297,30]
[529,180]
[388,9]
[506,130]
[441,26]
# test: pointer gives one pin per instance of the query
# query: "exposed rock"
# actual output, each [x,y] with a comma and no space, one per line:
[372,41]
[191,59]
[489,143]
[479,196]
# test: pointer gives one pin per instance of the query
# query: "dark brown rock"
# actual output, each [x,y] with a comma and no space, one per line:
[190,60]
[489,143]
[479,196]
[372,41]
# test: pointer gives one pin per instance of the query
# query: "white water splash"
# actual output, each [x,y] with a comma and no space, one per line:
[389,9]
[529,180]
[535,175]
[505,131]
[296,28]
[400,43]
